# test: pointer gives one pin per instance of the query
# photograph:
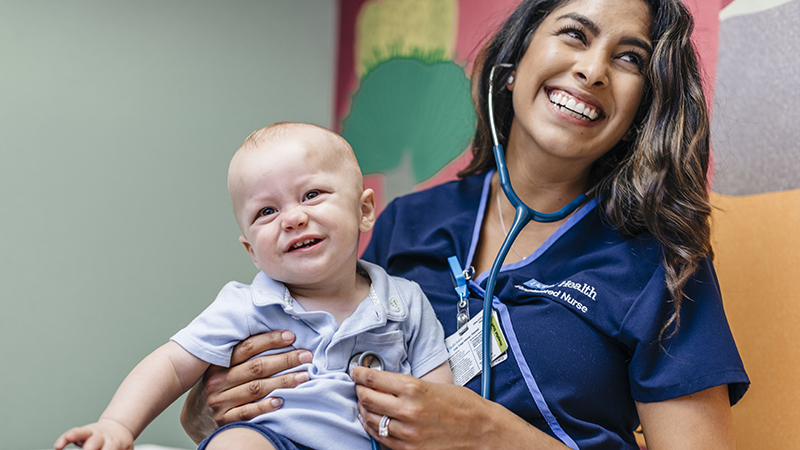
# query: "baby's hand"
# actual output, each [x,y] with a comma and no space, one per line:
[104,434]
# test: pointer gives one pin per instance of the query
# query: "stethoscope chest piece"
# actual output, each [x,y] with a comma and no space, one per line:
[367,359]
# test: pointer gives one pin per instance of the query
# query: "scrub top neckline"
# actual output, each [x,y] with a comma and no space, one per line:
[476,231]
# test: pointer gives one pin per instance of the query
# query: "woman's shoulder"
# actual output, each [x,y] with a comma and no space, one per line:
[455,194]
[430,221]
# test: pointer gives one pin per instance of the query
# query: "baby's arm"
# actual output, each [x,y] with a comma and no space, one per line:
[151,386]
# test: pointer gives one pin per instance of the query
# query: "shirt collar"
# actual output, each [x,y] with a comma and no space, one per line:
[383,293]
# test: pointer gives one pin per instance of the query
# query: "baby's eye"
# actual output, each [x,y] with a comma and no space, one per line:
[311,194]
[266,211]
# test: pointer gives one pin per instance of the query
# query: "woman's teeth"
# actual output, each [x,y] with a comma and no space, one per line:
[573,107]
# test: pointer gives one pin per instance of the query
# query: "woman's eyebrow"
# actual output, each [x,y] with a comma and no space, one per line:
[583,20]
[594,29]
[636,42]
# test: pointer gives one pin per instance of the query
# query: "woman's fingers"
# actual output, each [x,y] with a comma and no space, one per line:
[423,414]
[235,404]
[393,394]
[398,397]
[248,411]
[220,379]
[224,394]
[230,392]
[388,382]
[258,343]
[371,423]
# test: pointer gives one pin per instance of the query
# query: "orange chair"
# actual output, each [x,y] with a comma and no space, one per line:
[756,242]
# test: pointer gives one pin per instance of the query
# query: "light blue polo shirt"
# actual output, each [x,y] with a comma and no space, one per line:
[396,320]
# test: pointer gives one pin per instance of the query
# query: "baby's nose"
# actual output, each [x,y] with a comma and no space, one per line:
[294,218]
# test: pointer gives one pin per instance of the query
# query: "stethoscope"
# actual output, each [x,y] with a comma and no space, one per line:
[371,360]
[523,215]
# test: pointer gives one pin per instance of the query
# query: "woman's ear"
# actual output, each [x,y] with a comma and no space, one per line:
[368,211]
[510,81]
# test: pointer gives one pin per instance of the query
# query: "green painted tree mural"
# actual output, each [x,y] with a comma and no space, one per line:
[412,116]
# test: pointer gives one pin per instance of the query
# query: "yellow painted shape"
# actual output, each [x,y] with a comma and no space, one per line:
[426,29]
[757,256]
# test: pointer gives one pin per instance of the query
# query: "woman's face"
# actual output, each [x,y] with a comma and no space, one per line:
[579,84]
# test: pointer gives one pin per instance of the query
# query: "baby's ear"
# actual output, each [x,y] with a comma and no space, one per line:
[368,212]
[249,248]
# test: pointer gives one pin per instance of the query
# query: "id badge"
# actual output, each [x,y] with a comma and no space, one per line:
[466,348]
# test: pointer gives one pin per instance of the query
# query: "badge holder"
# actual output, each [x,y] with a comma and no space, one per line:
[460,278]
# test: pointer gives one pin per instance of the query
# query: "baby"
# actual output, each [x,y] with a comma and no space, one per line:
[299,198]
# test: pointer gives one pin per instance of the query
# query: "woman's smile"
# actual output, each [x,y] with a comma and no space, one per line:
[580,109]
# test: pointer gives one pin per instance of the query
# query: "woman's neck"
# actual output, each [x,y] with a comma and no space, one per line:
[546,179]
[546,185]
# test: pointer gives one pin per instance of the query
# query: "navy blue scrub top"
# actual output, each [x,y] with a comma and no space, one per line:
[582,315]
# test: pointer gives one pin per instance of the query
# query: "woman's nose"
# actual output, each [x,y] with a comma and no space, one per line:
[591,68]
[294,218]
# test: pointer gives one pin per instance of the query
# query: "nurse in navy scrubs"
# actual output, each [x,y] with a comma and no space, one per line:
[613,316]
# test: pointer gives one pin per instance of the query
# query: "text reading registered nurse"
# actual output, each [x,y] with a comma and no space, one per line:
[591,96]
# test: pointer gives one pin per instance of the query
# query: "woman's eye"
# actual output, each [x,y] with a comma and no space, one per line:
[634,59]
[574,33]
[310,194]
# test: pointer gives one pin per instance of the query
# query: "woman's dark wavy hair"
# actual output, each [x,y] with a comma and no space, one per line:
[656,181]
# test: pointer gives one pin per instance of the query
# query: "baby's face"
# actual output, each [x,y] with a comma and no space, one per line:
[301,207]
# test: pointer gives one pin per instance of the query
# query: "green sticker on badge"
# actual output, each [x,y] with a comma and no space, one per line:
[498,335]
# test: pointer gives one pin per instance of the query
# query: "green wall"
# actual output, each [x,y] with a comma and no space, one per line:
[117,122]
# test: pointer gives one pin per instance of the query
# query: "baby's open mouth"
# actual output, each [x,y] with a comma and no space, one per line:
[303,244]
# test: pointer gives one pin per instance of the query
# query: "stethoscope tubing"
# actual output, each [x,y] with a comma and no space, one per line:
[522,216]
[362,358]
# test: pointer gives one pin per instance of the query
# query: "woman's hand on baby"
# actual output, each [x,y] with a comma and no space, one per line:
[226,395]
[439,416]
[104,434]
[422,414]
